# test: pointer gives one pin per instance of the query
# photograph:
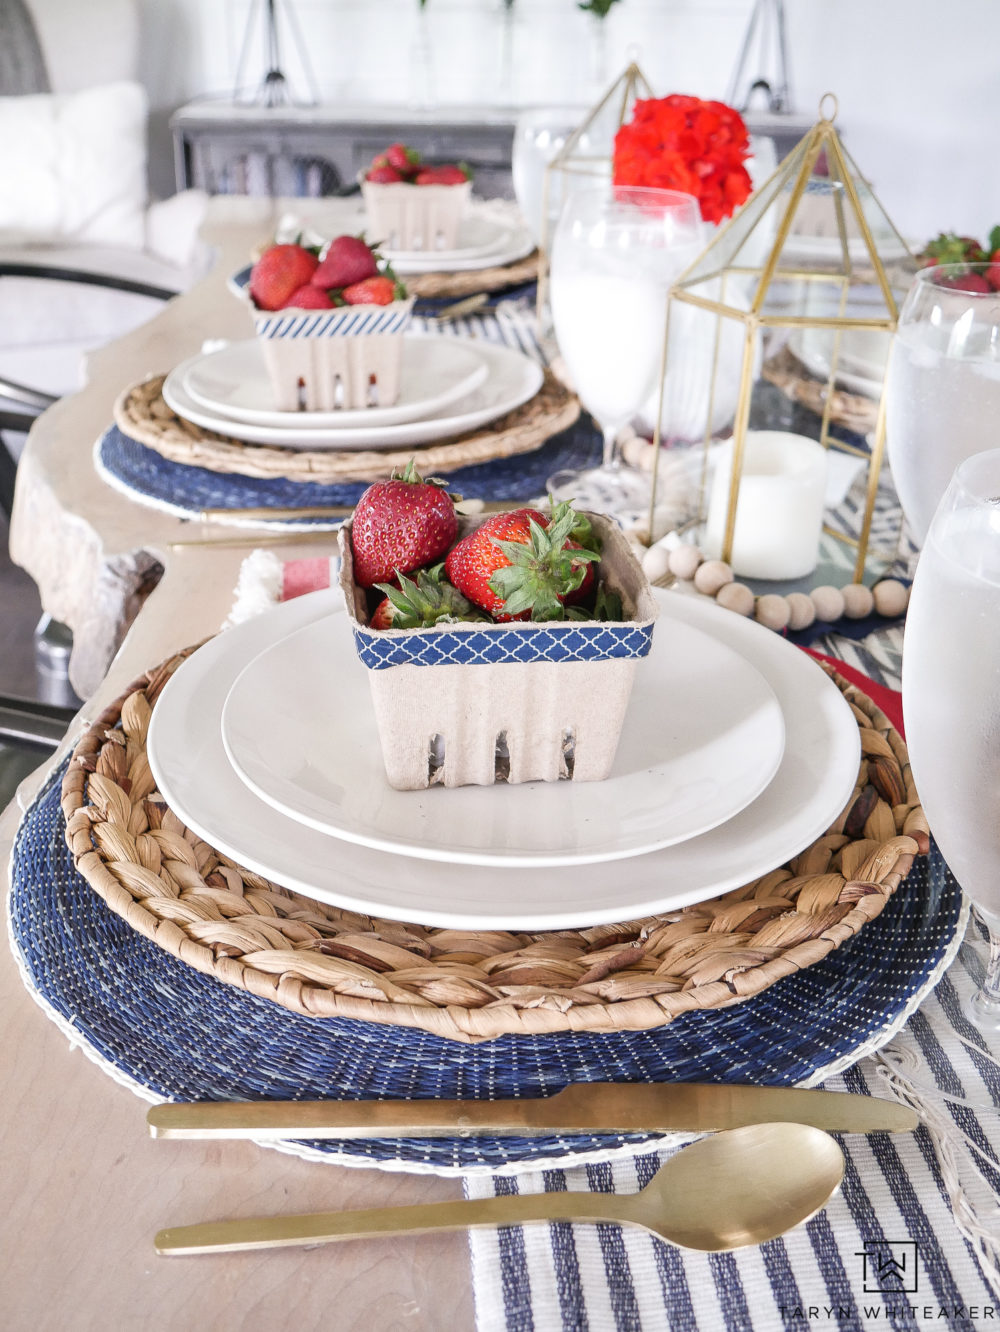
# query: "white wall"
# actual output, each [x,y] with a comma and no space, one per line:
[919,88]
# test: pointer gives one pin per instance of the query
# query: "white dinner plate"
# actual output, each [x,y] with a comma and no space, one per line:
[702,737]
[801,248]
[859,373]
[478,235]
[813,783]
[435,373]
[511,379]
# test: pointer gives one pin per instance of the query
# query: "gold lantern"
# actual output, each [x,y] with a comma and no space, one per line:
[793,301]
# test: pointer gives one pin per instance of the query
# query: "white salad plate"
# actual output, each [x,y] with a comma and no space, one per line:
[435,373]
[803,248]
[703,736]
[813,783]
[515,242]
[511,379]
[478,236]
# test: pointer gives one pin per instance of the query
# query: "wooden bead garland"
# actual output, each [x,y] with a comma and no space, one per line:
[797,610]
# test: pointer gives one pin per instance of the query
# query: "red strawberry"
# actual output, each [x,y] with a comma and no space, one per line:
[947,248]
[584,592]
[384,175]
[474,561]
[442,175]
[521,565]
[405,160]
[381,616]
[974,282]
[348,259]
[308,298]
[278,272]
[993,272]
[419,603]
[400,525]
[373,291]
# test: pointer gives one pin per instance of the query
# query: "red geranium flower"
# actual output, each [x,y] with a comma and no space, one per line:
[683,143]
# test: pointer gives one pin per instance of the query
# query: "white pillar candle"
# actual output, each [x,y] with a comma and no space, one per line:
[779,515]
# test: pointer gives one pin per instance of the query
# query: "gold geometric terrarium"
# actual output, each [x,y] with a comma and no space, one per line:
[799,291]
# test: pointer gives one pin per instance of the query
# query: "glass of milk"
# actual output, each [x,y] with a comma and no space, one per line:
[951,697]
[615,252]
[942,392]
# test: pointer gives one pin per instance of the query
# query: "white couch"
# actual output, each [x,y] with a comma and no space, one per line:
[73,193]
[73,202]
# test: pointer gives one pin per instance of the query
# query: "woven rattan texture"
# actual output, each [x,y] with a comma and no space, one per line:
[173,1032]
[853,411]
[141,414]
[430,285]
[149,478]
[477,985]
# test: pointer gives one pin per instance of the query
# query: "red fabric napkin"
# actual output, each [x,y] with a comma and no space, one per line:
[301,576]
[889,700]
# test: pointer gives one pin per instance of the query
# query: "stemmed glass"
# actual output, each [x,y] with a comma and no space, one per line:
[615,252]
[951,696]
[943,384]
[539,134]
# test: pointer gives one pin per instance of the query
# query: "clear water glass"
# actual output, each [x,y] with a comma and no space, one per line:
[951,697]
[539,134]
[615,253]
[943,385]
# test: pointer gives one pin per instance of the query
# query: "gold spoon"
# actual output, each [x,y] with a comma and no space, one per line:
[735,1188]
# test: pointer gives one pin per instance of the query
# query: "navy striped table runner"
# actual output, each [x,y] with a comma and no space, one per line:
[924,1202]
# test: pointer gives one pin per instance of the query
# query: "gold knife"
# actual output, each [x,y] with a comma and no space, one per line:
[596,1107]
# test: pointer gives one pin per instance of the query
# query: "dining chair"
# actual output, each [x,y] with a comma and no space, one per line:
[21,403]
[84,258]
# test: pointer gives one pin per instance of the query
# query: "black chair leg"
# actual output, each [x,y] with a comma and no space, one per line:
[8,471]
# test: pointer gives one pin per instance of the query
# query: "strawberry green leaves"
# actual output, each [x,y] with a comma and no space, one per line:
[424,601]
[543,570]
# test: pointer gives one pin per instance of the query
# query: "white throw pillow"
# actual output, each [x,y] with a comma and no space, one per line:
[73,167]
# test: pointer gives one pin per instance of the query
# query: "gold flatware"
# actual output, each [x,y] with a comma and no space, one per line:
[273,513]
[728,1191]
[259,539]
[267,515]
[469,305]
[595,1107]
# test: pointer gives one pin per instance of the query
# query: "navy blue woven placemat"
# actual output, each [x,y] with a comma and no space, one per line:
[187,490]
[187,1036]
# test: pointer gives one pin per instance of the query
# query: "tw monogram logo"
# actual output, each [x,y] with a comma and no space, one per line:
[890,1267]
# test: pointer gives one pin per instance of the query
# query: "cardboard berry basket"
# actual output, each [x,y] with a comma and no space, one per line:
[323,360]
[476,703]
[415,217]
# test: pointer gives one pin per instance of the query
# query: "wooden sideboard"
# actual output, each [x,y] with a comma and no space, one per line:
[225,148]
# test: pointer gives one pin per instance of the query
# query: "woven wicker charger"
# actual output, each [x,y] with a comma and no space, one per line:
[853,411]
[432,285]
[142,414]
[468,985]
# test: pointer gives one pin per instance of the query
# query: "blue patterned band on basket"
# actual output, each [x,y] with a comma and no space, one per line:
[183,1035]
[352,321]
[586,641]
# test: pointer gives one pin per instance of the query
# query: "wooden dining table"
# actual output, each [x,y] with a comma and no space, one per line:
[83,1188]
